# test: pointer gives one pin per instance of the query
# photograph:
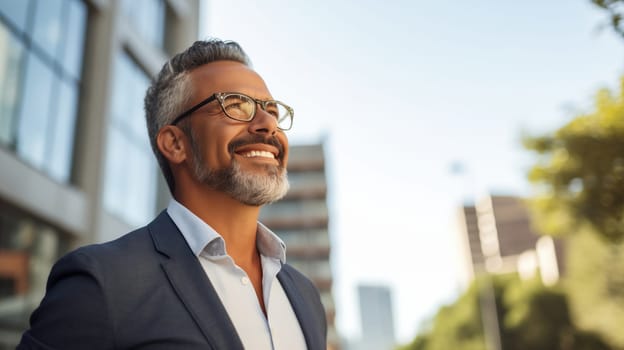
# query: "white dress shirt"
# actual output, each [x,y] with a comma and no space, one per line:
[279,329]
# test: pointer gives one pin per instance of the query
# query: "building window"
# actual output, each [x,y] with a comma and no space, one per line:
[148,19]
[15,12]
[28,249]
[130,185]
[309,238]
[9,82]
[313,269]
[293,210]
[40,80]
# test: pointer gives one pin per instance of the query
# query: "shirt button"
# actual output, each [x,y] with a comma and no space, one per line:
[245,280]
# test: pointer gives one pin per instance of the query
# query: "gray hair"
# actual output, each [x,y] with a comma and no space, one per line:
[170,91]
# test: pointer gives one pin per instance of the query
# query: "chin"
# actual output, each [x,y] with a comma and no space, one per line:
[248,186]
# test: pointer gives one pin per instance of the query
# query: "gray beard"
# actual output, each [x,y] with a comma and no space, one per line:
[253,189]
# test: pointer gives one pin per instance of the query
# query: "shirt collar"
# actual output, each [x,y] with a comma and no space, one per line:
[202,238]
[269,244]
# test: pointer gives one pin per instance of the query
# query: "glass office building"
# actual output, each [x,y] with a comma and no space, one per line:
[75,163]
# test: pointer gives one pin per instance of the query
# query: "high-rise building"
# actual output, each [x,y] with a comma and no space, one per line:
[301,220]
[473,260]
[497,237]
[376,317]
[75,163]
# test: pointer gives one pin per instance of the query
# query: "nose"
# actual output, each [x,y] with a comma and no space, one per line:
[263,123]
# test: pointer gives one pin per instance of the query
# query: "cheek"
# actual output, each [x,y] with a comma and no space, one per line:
[284,141]
[219,150]
[214,145]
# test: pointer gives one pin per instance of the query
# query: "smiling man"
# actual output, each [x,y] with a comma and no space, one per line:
[205,274]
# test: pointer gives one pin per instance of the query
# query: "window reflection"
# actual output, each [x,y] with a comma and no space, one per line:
[15,12]
[147,18]
[28,248]
[48,26]
[40,80]
[141,180]
[74,38]
[9,83]
[35,112]
[128,98]
[115,186]
[130,188]
[123,97]
[60,147]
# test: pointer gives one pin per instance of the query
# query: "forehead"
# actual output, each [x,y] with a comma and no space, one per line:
[227,76]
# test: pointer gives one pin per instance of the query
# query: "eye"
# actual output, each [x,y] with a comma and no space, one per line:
[273,109]
[238,106]
[233,101]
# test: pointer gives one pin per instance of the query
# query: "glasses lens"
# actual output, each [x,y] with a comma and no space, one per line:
[239,107]
[282,113]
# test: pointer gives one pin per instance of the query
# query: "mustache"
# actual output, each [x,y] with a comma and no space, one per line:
[255,139]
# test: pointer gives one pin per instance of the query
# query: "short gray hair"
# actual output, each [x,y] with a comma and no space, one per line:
[170,91]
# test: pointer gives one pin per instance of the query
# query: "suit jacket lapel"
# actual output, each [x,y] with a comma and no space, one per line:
[192,286]
[311,330]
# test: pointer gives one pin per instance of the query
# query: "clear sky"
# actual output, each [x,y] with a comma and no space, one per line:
[401,90]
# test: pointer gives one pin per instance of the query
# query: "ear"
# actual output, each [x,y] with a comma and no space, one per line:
[170,141]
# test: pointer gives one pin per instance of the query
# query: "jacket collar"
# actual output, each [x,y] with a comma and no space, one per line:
[191,284]
[193,287]
[301,299]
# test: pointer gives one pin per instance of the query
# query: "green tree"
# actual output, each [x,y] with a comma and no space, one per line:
[579,178]
[531,316]
[538,318]
[456,326]
[580,172]
[615,9]
[595,285]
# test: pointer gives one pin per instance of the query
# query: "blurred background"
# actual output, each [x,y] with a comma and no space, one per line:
[457,168]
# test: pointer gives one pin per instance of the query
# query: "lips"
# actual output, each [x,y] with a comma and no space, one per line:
[258,147]
[258,151]
[262,154]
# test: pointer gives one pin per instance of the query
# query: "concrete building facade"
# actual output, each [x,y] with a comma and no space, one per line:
[473,262]
[301,220]
[496,236]
[75,163]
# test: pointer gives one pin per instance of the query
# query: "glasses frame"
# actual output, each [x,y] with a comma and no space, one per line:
[221,96]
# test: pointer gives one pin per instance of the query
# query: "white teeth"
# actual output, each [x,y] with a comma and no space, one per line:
[264,154]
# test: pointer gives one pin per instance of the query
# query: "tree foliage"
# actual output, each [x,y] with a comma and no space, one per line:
[595,285]
[456,326]
[615,8]
[579,177]
[580,172]
[531,316]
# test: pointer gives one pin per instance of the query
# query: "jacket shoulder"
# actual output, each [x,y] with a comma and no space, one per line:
[127,245]
[131,248]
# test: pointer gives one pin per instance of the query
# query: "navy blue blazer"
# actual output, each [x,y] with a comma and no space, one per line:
[147,290]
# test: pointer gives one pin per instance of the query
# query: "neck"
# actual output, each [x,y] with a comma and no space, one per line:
[234,221]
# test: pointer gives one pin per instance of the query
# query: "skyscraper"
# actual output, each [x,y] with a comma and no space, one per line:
[497,237]
[377,318]
[301,219]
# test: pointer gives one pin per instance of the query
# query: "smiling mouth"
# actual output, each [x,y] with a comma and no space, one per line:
[256,147]
[258,154]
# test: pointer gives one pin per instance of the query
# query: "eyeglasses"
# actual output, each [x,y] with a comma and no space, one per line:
[241,107]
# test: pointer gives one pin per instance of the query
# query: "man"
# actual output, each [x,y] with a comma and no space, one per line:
[205,274]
